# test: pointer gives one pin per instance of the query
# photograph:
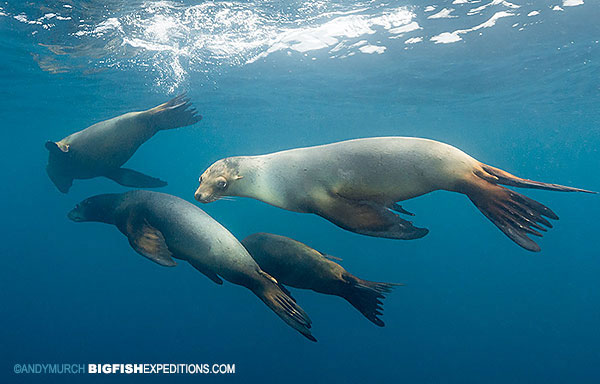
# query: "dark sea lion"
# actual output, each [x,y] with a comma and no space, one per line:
[297,265]
[101,149]
[355,184]
[162,227]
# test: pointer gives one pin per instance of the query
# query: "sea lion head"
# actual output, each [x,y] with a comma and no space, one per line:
[95,208]
[218,180]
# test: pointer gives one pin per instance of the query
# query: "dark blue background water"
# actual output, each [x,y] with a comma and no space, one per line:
[476,307]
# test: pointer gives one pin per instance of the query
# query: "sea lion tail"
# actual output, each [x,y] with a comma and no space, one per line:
[175,113]
[283,305]
[366,296]
[514,214]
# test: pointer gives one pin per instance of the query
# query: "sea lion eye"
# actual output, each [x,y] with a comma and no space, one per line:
[200,180]
[221,184]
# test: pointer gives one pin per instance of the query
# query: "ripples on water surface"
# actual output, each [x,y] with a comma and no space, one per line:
[170,40]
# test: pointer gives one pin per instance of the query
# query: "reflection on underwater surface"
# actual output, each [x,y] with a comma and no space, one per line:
[521,94]
[171,39]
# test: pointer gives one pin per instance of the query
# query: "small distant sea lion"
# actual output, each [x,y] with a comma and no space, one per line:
[101,149]
[355,184]
[162,227]
[297,265]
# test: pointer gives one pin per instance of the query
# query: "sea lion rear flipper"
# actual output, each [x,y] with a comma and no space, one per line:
[149,242]
[368,218]
[130,178]
[175,113]
[366,296]
[516,215]
[208,273]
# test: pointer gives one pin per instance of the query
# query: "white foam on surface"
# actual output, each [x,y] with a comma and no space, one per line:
[23,19]
[169,38]
[406,28]
[358,44]
[490,4]
[572,3]
[370,49]
[414,40]
[445,13]
[446,38]
[107,25]
[453,37]
[341,28]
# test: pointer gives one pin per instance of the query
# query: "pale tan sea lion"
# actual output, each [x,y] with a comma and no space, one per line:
[355,184]
[103,148]
[297,265]
[162,227]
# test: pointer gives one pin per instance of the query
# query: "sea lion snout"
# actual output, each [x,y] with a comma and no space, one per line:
[199,196]
[204,197]
[75,214]
[96,208]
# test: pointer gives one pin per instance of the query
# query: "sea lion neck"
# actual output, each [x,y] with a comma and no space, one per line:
[248,173]
[104,208]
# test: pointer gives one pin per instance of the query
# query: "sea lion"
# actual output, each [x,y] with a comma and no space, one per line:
[297,265]
[101,149]
[162,227]
[355,184]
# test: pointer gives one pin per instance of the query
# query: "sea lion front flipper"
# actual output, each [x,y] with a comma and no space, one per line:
[281,286]
[149,242]
[368,218]
[61,179]
[206,272]
[130,178]
[330,257]
[398,208]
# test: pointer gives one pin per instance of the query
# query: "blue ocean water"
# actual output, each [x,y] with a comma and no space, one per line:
[514,84]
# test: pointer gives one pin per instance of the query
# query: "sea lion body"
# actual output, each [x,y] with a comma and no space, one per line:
[382,170]
[190,234]
[103,148]
[120,137]
[297,265]
[162,227]
[356,183]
